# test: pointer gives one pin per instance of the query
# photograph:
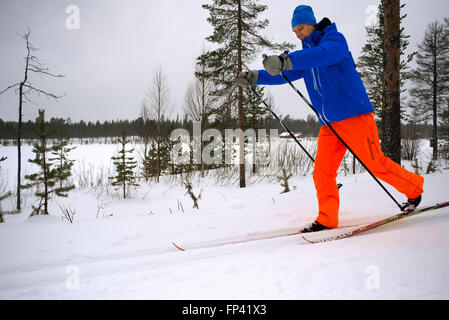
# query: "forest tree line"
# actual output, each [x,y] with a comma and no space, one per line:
[66,128]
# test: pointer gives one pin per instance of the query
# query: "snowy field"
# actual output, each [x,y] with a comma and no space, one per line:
[122,248]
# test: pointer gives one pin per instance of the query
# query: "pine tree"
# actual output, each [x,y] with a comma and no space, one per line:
[431,77]
[149,167]
[372,61]
[45,180]
[391,122]
[124,166]
[150,163]
[166,147]
[60,151]
[236,32]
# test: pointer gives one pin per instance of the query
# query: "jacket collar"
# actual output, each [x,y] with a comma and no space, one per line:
[323,27]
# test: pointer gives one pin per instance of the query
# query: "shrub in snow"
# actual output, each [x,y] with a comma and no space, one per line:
[189,191]
[285,175]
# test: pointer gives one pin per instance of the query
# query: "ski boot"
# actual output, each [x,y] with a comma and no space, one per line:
[314,227]
[411,204]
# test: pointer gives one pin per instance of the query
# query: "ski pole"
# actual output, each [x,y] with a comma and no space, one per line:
[338,136]
[280,121]
[282,124]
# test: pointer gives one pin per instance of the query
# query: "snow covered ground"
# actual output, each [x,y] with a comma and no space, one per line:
[122,248]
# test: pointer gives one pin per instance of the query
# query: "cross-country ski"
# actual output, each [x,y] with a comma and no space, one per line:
[324,236]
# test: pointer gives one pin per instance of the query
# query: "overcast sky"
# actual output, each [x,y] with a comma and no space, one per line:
[110,60]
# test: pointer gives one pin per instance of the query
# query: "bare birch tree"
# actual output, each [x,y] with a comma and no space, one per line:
[157,99]
[145,132]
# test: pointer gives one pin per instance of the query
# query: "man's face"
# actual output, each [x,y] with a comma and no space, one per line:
[302,31]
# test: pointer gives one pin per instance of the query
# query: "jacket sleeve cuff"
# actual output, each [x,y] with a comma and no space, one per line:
[266,79]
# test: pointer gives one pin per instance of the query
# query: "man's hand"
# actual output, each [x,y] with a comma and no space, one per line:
[247,78]
[275,64]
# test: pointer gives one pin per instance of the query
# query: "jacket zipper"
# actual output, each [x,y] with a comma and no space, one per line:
[322,106]
[319,92]
[315,85]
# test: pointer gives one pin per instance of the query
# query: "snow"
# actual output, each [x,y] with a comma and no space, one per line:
[122,248]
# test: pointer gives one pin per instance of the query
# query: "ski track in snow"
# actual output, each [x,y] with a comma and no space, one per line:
[128,254]
[229,267]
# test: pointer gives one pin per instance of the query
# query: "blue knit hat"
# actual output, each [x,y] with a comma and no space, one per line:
[303,15]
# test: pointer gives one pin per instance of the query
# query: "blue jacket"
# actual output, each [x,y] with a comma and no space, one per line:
[334,86]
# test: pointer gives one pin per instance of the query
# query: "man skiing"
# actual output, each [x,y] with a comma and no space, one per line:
[339,96]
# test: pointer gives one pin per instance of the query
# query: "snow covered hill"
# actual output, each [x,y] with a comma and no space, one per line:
[123,248]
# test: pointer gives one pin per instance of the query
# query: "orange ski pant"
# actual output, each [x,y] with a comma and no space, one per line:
[360,134]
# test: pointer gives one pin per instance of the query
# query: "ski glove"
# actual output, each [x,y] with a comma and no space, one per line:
[275,64]
[247,78]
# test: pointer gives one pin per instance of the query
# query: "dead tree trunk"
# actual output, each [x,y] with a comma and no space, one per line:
[32,64]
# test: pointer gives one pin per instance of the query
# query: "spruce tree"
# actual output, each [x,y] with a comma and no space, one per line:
[45,180]
[124,166]
[237,35]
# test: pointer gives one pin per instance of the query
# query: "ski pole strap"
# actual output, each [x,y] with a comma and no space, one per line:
[339,138]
